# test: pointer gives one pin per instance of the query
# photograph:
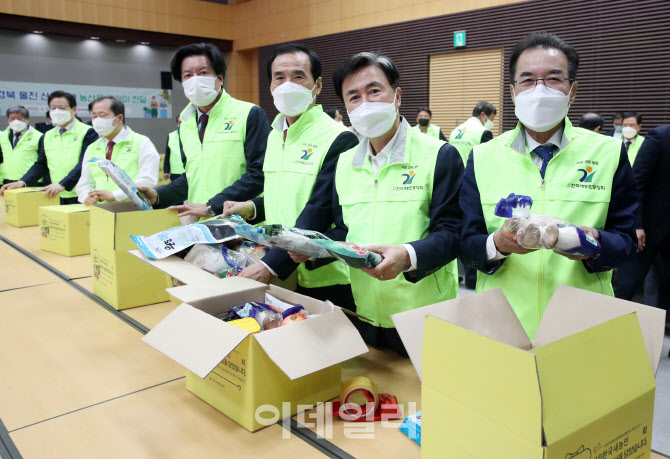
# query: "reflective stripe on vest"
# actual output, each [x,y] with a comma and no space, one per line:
[466,136]
[63,153]
[125,154]
[17,160]
[176,164]
[633,149]
[219,161]
[392,209]
[290,170]
[577,188]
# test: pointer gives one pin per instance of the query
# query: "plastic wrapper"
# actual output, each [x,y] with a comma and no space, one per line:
[124,182]
[533,231]
[266,316]
[293,318]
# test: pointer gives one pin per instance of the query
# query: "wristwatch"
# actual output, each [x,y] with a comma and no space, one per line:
[210,211]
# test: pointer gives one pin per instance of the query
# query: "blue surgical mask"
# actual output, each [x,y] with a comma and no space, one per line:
[618,128]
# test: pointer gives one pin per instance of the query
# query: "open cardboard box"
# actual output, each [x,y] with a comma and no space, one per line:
[251,378]
[65,229]
[22,205]
[583,388]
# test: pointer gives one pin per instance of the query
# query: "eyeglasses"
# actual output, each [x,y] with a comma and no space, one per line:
[552,82]
[62,107]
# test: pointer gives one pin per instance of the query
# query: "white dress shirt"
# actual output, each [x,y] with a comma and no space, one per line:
[148,160]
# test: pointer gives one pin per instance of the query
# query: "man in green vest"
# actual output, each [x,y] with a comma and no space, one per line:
[476,130]
[223,139]
[423,118]
[173,167]
[19,144]
[60,151]
[398,189]
[630,134]
[570,173]
[300,159]
[132,152]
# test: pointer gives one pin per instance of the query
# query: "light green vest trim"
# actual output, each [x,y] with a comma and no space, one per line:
[176,164]
[290,170]
[633,149]
[466,136]
[433,130]
[18,160]
[393,209]
[219,161]
[63,152]
[577,188]
[125,154]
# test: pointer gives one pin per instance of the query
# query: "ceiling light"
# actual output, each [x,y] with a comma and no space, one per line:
[144,43]
[38,31]
[95,38]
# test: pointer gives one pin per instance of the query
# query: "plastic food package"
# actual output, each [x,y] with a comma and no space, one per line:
[124,182]
[293,318]
[266,316]
[209,258]
[533,231]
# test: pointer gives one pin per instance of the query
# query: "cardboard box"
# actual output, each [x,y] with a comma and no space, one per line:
[119,278]
[585,387]
[22,204]
[65,229]
[269,373]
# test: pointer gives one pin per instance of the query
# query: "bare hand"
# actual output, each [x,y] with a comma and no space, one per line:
[150,193]
[396,260]
[98,196]
[243,209]
[506,244]
[166,176]
[589,232]
[298,258]
[51,191]
[641,239]
[257,272]
[197,210]
[11,186]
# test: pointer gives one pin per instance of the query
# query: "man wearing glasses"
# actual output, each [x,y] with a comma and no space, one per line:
[60,151]
[542,158]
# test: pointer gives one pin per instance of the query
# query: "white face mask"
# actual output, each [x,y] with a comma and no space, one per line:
[488,124]
[60,117]
[374,119]
[200,90]
[18,125]
[292,99]
[541,109]
[628,132]
[104,126]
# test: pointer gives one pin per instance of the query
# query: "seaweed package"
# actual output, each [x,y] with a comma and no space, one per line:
[124,182]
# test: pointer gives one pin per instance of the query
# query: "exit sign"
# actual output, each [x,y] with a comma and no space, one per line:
[459,39]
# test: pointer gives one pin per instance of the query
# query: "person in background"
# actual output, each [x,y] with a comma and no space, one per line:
[617,121]
[46,125]
[19,145]
[335,114]
[541,158]
[630,134]
[476,130]
[173,166]
[423,117]
[60,151]
[132,152]
[591,121]
[223,139]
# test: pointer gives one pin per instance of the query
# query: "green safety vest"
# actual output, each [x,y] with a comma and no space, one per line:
[392,209]
[176,164]
[432,130]
[466,136]
[219,161]
[632,149]
[63,152]
[577,188]
[125,154]
[290,170]
[18,160]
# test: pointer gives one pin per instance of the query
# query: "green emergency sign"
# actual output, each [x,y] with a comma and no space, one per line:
[459,39]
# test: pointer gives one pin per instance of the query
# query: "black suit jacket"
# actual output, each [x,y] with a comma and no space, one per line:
[651,169]
[43,127]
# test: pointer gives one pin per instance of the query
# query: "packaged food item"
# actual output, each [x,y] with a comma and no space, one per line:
[411,427]
[293,318]
[209,258]
[248,324]
[123,181]
[266,316]
[244,254]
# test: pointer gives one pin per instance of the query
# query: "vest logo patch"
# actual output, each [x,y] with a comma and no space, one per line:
[461,133]
[588,174]
[129,149]
[408,178]
[229,125]
[306,154]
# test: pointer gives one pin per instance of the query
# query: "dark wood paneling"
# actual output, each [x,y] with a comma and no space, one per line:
[624,49]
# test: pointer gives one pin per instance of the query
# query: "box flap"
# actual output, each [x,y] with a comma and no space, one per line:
[69,209]
[178,268]
[214,286]
[487,313]
[194,339]
[589,374]
[572,310]
[319,342]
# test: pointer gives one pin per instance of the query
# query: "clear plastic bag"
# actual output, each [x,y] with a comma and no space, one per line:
[124,182]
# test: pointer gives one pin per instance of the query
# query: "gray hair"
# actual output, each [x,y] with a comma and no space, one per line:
[20,109]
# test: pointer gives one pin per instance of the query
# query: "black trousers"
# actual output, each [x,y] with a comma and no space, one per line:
[66,201]
[174,177]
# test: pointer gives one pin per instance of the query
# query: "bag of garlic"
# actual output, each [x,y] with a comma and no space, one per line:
[533,231]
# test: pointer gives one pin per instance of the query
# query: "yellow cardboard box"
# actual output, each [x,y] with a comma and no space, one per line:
[585,387]
[22,204]
[261,378]
[65,229]
[119,278]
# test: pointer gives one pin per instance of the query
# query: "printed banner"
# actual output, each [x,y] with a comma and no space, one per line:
[139,102]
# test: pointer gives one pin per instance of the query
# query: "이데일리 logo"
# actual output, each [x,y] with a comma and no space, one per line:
[306,154]
[408,178]
[588,174]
